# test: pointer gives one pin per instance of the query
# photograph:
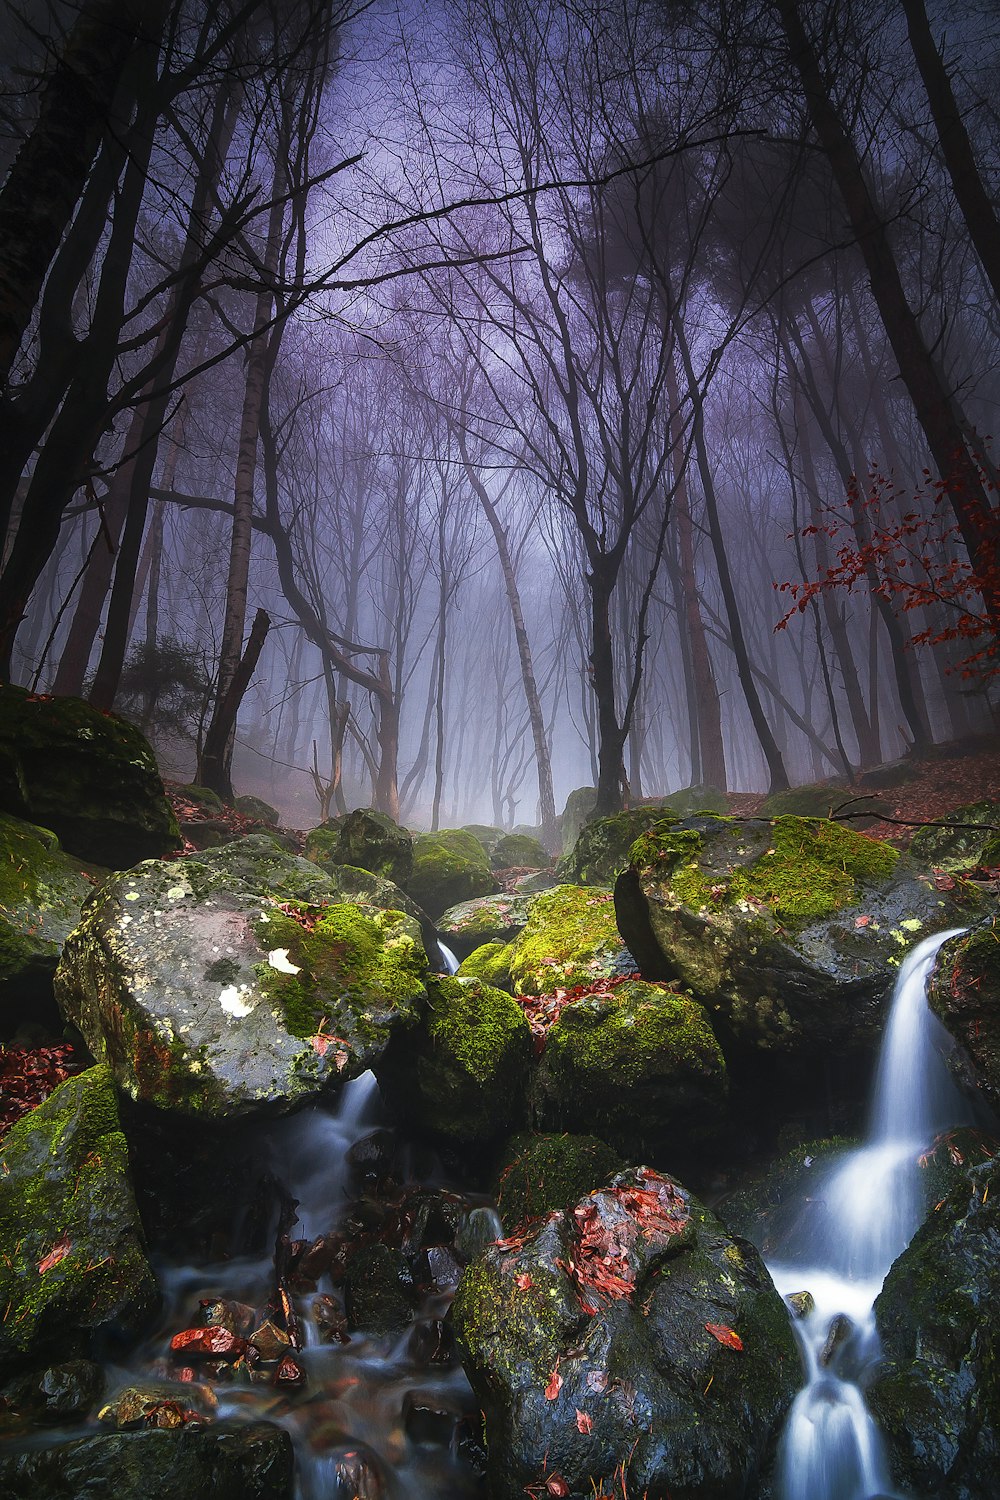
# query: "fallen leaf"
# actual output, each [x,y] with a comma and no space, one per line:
[556,1485]
[523,1281]
[583,1422]
[555,1384]
[59,1252]
[597,1380]
[725,1335]
[862,921]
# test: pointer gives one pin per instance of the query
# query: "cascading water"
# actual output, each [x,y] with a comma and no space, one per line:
[831,1449]
[448,958]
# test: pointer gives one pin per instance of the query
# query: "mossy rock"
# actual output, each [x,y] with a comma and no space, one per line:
[956,849]
[89,776]
[937,1394]
[258,809]
[781,1204]
[201,796]
[964,992]
[490,919]
[696,799]
[491,964]
[815,800]
[72,1254]
[519,851]
[543,1172]
[602,850]
[631,1392]
[41,893]
[576,814]
[790,930]
[461,1077]
[354,884]
[206,996]
[259,861]
[448,867]
[378,1290]
[535,883]
[226,1460]
[484,833]
[571,938]
[369,840]
[639,1066]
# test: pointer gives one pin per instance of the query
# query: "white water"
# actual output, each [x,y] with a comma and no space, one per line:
[449,959]
[831,1449]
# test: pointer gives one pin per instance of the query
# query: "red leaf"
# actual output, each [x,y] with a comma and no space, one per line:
[555,1384]
[59,1252]
[725,1335]
[556,1485]
[523,1281]
[583,1422]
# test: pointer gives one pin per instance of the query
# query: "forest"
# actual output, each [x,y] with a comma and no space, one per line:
[499,683]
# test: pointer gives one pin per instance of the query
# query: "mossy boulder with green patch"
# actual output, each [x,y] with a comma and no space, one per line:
[206,996]
[571,937]
[964,992]
[201,796]
[257,860]
[519,851]
[696,799]
[462,1076]
[448,867]
[489,919]
[89,776]
[258,809]
[937,1395]
[814,800]
[679,1384]
[72,1254]
[639,1066]
[954,849]
[41,893]
[789,930]
[370,840]
[542,1172]
[485,833]
[602,850]
[490,963]
[576,814]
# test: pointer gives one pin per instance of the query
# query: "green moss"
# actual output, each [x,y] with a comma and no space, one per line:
[811,801]
[571,938]
[518,850]
[202,796]
[546,1172]
[509,1335]
[320,844]
[612,1039]
[448,867]
[602,849]
[475,1024]
[490,963]
[41,893]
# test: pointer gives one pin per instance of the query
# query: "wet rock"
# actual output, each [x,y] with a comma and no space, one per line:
[519,851]
[449,866]
[378,1290]
[41,893]
[600,1346]
[63,1393]
[137,1404]
[228,1461]
[206,997]
[431,1418]
[357,1475]
[461,1076]
[443,1270]
[639,1066]
[784,1203]
[838,1335]
[602,847]
[490,919]
[370,840]
[790,930]
[964,992]
[534,884]
[72,1253]
[937,1398]
[270,1341]
[212,1343]
[375,1155]
[571,938]
[89,776]
[431,1343]
[481,1227]
[237,1317]
[801,1304]
[289,1375]
[330,1320]
[491,964]
[955,849]
[545,1172]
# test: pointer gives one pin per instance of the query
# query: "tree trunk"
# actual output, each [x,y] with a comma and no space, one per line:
[214,761]
[611,784]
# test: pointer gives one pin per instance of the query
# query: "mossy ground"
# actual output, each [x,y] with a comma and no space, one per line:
[571,937]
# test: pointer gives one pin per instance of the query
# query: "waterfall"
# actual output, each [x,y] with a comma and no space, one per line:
[448,959]
[831,1449]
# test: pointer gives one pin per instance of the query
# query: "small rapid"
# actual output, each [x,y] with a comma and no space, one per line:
[831,1448]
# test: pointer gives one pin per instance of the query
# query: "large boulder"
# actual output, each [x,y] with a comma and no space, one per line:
[964,991]
[637,1065]
[448,867]
[228,1461]
[578,811]
[937,1396]
[601,851]
[89,776]
[206,996]
[72,1255]
[370,840]
[954,848]
[490,919]
[628,1343]
[696,799]
[519,851]
[790,930]
[491,963]
[570,938]
[462,1076]
[41,893]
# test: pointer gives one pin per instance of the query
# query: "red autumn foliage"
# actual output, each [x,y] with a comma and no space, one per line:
[59,1252]
[725,1335]
[542,1011]
[555,1384]
[601,1262]
[28,1075]
[584,1423]
[208,1343]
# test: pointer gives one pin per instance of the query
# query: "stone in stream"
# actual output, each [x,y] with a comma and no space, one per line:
[790,930]
[89,776]
[206,996]
[964,992]
[64,1392]
[488,919]
[628,1342]
[937,1395]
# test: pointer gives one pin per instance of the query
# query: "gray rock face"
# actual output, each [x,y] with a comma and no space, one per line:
[204,995]
[628,1341]
[964,991]
[489,919]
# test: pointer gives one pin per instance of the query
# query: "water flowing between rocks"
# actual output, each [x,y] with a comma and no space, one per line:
[831,1448]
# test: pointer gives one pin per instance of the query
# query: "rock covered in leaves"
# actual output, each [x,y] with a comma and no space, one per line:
[630,1343]
[954,848]
[449,866]
[964,991]
[638,1065]
[542,1172]
[72,1256]
[41,893]
[489,919]
[228,1461]
[89,776]
[937,1398]
[790,930]
[462,1075]
[570,938]
[207,996]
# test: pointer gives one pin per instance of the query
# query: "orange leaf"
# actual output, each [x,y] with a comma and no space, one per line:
[555,1384]
[523,1281]
[59,1252]
[556,1485]
[583,1422]
[725,1335]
